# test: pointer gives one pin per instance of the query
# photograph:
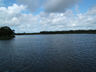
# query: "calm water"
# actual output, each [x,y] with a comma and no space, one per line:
[49,53]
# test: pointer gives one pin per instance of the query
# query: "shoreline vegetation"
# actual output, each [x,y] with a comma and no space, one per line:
[61,32]
[6,33]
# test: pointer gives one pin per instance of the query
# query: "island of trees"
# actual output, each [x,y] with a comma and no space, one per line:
[6,33]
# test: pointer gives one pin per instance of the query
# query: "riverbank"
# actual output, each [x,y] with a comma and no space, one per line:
[61,32]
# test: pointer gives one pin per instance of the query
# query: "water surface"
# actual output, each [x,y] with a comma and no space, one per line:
[49,53]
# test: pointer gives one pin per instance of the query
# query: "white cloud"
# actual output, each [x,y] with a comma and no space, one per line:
[14,18]
[15,9]
[29,23]
[8,16]
[68,20]
[31,4]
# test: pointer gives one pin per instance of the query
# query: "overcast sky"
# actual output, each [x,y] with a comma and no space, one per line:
[47,15]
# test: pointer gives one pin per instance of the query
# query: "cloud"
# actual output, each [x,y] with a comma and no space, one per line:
[33,5]
[28,23]
[13,17]
[8,16]
[48,5]
[69,21]
[59,5]
[16,19]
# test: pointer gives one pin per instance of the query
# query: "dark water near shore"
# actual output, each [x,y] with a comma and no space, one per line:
[49,53]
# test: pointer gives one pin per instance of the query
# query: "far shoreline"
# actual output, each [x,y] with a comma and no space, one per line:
[60,32]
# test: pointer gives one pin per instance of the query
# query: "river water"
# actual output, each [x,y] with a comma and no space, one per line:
[49,53]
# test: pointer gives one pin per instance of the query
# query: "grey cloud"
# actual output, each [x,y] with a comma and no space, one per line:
[59,5]
[49,5]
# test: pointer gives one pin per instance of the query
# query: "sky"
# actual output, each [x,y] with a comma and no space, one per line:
[48,15]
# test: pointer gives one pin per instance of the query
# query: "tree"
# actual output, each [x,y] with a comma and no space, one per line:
[6,32]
